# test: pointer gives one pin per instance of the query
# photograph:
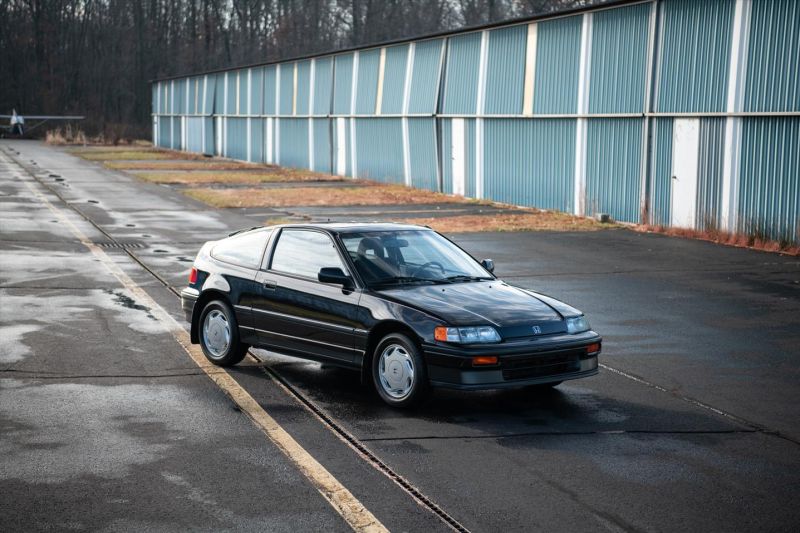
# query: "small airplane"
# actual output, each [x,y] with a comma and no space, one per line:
[16,124]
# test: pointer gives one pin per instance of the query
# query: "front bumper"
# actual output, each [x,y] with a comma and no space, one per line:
[522,363]
[189,297]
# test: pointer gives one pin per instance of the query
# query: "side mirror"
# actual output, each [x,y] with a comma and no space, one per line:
[488,264]
[336,276]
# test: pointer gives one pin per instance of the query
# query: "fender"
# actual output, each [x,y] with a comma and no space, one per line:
[216,282]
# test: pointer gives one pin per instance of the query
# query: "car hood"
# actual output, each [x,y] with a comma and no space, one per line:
[511,310]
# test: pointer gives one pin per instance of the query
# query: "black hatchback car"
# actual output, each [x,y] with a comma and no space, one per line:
[400,303]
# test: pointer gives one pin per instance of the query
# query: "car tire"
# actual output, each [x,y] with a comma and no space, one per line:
[219,334]
[398,371]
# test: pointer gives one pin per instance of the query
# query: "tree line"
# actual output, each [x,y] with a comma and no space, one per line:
[95,57]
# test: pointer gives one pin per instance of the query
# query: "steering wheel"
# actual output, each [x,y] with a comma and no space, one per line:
[424,267]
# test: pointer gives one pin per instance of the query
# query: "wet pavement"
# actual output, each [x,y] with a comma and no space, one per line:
[106,423]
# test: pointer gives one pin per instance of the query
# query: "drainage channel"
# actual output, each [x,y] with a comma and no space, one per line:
[354,443]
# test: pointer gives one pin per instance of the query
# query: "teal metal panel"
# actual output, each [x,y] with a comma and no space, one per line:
[558,50]
[230,97]
[470,189]
[394,78]
[773,61]
[367,83]
[191,89]
[505,70]
[164,132]
[379,149]
[219,94]
[446,151]
[194,134]
[257,139]
[287,88]
[176,133]
[422,153]
[695,52]
[323,89]
[154,98]
[237,138]
[530,162]
[343,84]
[613,173]
[269,90]
[294,142]
[181,88]
[425,76]
[303,87]
[348,171]
[257,91]
[209,95]
[769,188]
[208,149]
[619,59]
[244,93]
[322,145]
[709,173]
[660,204]
[461,74]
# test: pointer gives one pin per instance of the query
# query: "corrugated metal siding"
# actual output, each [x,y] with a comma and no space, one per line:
[294,142]
[210,94]
[287,88]
[422,153]
[367,83]
[257,94]
[425,76]
[257,140]
[709,173]
[394,77]
[695,54]
[303,87]
[269,90]
[461,74]
[379,149]
[176,133]
[470,189]
[244,94]
[230,100]
[505,70]
[322,145]
[343,84]
[530,162]
[773,64]
[219,94]
[660,209]
[194,135]
[323,89]
[164,132]
[558,50]
[210,136]
[769,188]
[619,59]
[237,138]
[613,174]
[446,151]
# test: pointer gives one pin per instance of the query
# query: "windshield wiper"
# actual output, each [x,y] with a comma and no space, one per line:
[403,279]
[466,277]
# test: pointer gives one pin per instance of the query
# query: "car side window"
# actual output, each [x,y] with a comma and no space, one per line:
[243,250]
[304,253]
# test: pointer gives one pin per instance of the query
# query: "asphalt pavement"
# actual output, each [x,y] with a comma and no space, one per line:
[106,423]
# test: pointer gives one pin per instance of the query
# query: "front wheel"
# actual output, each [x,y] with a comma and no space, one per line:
[398,371]
[219,334]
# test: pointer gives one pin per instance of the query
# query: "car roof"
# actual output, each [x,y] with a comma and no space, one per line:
[355,227]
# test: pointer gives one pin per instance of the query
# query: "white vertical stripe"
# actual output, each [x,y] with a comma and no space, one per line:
[341,147]
[236,96]
[458,155]
[294,89]
[277,132]
[646,144]
[205,94]
[579,199]
[530,69]
[270,156]
[381,73]
[354,88]
[225,95]
[406,103]
[481,107]
[312,81]
[249,112]
[733,125]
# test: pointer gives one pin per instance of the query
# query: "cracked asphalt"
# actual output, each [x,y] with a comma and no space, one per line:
[106,423]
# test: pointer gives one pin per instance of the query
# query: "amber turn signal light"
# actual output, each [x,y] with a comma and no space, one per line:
[593,348]
[481,360]
[440,333]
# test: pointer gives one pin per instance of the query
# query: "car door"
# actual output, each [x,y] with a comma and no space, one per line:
[297,314]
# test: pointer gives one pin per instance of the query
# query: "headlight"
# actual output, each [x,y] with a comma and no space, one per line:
[469,335]
[578,324]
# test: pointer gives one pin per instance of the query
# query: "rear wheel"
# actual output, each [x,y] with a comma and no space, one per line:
[219,334]
[398,371]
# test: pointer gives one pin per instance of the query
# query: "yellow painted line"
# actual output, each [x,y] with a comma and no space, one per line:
[341,499]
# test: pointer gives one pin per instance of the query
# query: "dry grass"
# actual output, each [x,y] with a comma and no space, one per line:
[166,165]
[520,221]
[740,240]
[232,177]
[125,155]
[318,196]
[75,136]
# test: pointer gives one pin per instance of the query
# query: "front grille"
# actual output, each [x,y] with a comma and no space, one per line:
[546,364]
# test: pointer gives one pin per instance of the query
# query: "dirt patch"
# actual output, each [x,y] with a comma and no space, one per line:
[233,177]
[127,155]
[178,165]
[369,194]
[739,240]
[520,221]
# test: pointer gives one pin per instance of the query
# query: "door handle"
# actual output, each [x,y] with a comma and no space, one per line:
[270,284]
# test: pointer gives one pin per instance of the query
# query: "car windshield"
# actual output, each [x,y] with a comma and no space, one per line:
[410,256]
